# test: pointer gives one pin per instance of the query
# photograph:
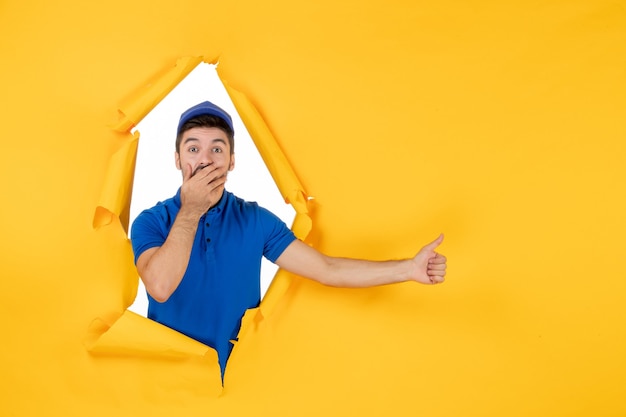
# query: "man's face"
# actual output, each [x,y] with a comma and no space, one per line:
[204,146]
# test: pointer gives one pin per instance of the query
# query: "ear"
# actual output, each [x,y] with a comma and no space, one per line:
[232,162]
[177,160]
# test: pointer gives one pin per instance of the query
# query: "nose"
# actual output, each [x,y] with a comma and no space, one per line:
[206,158]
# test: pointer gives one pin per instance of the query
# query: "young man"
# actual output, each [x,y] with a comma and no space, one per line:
[199,252]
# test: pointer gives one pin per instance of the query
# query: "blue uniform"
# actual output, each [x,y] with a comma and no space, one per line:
[222,279]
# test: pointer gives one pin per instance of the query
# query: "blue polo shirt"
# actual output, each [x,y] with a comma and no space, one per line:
[222,279]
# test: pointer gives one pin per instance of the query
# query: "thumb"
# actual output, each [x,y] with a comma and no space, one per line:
[433,245]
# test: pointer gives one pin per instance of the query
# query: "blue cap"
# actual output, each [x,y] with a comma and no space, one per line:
[204,108]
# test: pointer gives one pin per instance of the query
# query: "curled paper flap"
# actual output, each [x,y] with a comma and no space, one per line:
[274,158]
[118,185]
[134,335]
[137,106]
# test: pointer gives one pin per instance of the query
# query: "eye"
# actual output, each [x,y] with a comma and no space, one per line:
[193,149]
[217,150]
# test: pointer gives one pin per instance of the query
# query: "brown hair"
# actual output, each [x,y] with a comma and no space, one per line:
[206,120]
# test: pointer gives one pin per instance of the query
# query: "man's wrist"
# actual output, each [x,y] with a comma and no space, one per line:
[409,270]
[189,216]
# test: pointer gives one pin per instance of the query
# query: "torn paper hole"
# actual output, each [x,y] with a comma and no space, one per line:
[156,177]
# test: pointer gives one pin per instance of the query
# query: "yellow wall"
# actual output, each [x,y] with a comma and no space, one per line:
[498,123]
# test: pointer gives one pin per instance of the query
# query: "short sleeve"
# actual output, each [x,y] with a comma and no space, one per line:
[277,235]
[147,232]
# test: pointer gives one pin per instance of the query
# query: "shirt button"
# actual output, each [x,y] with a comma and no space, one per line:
[206,224]
[208,240]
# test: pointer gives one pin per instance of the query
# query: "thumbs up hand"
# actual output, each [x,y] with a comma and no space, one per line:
[429,266]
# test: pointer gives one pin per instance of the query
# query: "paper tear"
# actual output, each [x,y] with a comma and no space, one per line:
[135,335]
[118,185]
[138,105]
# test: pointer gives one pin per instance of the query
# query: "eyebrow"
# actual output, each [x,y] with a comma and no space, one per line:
[192,139]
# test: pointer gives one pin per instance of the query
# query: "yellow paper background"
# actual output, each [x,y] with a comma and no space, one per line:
[498,123]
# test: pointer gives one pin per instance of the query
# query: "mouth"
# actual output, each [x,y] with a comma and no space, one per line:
[201,167]
[198,168]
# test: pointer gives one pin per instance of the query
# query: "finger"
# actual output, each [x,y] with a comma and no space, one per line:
[217,176]
[436,267]
[217,184]
[433,245]
[436,279]
[204,171]
[437,259]
[187,173]
[217,180]
[436,275]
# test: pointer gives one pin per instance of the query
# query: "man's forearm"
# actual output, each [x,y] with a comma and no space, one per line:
[163,268]
[344,272]
[305,261]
